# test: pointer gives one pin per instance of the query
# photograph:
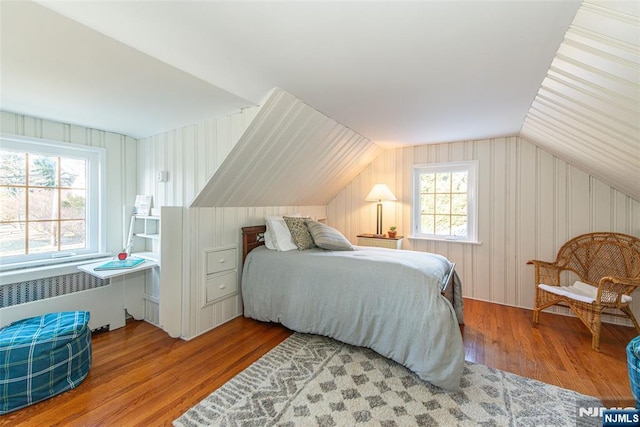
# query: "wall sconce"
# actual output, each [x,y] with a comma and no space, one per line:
[380,193]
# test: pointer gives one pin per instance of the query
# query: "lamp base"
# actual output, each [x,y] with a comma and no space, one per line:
[378,235]
[379,220]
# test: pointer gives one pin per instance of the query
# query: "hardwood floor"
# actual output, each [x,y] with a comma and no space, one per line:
[142,377]
[556,351]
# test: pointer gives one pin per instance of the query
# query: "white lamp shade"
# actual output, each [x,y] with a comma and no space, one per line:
[380,193]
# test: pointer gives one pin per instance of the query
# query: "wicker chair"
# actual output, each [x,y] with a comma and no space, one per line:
[608,267]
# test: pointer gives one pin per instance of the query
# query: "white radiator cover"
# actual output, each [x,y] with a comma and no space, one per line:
[39,289]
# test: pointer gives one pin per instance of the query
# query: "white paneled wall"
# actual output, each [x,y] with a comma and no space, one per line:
[530,203]
[191,155]
[290,154]
[121,161]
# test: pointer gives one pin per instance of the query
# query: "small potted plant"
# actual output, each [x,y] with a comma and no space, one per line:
[392,233]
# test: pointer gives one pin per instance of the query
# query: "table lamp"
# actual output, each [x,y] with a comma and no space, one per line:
[380,193]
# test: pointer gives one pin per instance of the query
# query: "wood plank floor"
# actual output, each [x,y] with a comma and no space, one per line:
[142,377]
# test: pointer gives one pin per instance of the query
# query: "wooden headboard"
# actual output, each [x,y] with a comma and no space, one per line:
[252,237]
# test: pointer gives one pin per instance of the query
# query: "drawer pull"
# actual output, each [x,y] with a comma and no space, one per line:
[223,286]
[222,261]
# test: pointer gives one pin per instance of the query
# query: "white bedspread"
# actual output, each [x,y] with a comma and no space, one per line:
[387,300]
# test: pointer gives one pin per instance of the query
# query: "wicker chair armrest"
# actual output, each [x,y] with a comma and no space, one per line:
[611,289]
[537,262]
[546,272]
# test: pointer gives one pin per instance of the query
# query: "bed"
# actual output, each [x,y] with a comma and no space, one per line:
[388,300]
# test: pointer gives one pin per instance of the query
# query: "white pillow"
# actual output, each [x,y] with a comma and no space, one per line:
[268,241]
[279,234]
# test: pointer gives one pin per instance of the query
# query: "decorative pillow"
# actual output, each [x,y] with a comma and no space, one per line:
[327,237]
[278,235]
[300,232]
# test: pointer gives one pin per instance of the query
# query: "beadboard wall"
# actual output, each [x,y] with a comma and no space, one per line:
[290,154]
[530,203]
[191,155]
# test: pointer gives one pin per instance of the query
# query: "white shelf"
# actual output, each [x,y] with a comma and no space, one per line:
[157,218]
[151,256]
[147,236]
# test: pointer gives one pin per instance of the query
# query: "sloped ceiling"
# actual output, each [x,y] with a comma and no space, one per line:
[55,68]
[290,155]
[398,72]
[587,110]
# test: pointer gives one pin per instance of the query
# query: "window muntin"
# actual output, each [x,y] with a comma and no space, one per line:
[50,199]
[444,201]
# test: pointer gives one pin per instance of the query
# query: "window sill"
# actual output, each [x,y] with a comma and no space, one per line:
[49,268]
[433,239]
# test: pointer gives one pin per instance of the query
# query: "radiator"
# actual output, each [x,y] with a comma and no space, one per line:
[36,290]
[69,292]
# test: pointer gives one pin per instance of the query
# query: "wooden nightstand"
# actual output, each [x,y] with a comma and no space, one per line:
[380,242]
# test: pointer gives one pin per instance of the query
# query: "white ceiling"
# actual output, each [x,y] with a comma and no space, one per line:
[399,73]
[54,68]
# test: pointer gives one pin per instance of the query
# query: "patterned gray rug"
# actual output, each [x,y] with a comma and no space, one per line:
[309,380]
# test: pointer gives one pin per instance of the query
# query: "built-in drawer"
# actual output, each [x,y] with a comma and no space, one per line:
[221,260]
[221,285]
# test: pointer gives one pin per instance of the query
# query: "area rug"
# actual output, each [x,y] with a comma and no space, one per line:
[309,380]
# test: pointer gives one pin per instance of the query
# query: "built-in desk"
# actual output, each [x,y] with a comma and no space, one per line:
[107,274]
[124,295]
[153,289]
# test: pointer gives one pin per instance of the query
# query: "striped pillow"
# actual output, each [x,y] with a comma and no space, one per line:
[327,237]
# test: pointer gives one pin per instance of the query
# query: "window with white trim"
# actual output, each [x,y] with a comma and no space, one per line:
[444,201]
[50,200]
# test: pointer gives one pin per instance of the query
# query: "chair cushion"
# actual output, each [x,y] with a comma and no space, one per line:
[579,291]
[43,356]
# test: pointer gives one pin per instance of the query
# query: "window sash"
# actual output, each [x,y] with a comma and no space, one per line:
[471,168]
[94,196]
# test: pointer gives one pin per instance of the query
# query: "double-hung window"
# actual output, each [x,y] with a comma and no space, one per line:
[50,200]
[445,201]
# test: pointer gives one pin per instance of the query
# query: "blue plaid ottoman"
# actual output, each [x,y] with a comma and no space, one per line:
[43,356]
[633,361]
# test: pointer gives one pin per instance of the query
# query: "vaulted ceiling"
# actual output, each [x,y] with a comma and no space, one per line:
[397,72]
[394,72]
[587,109]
